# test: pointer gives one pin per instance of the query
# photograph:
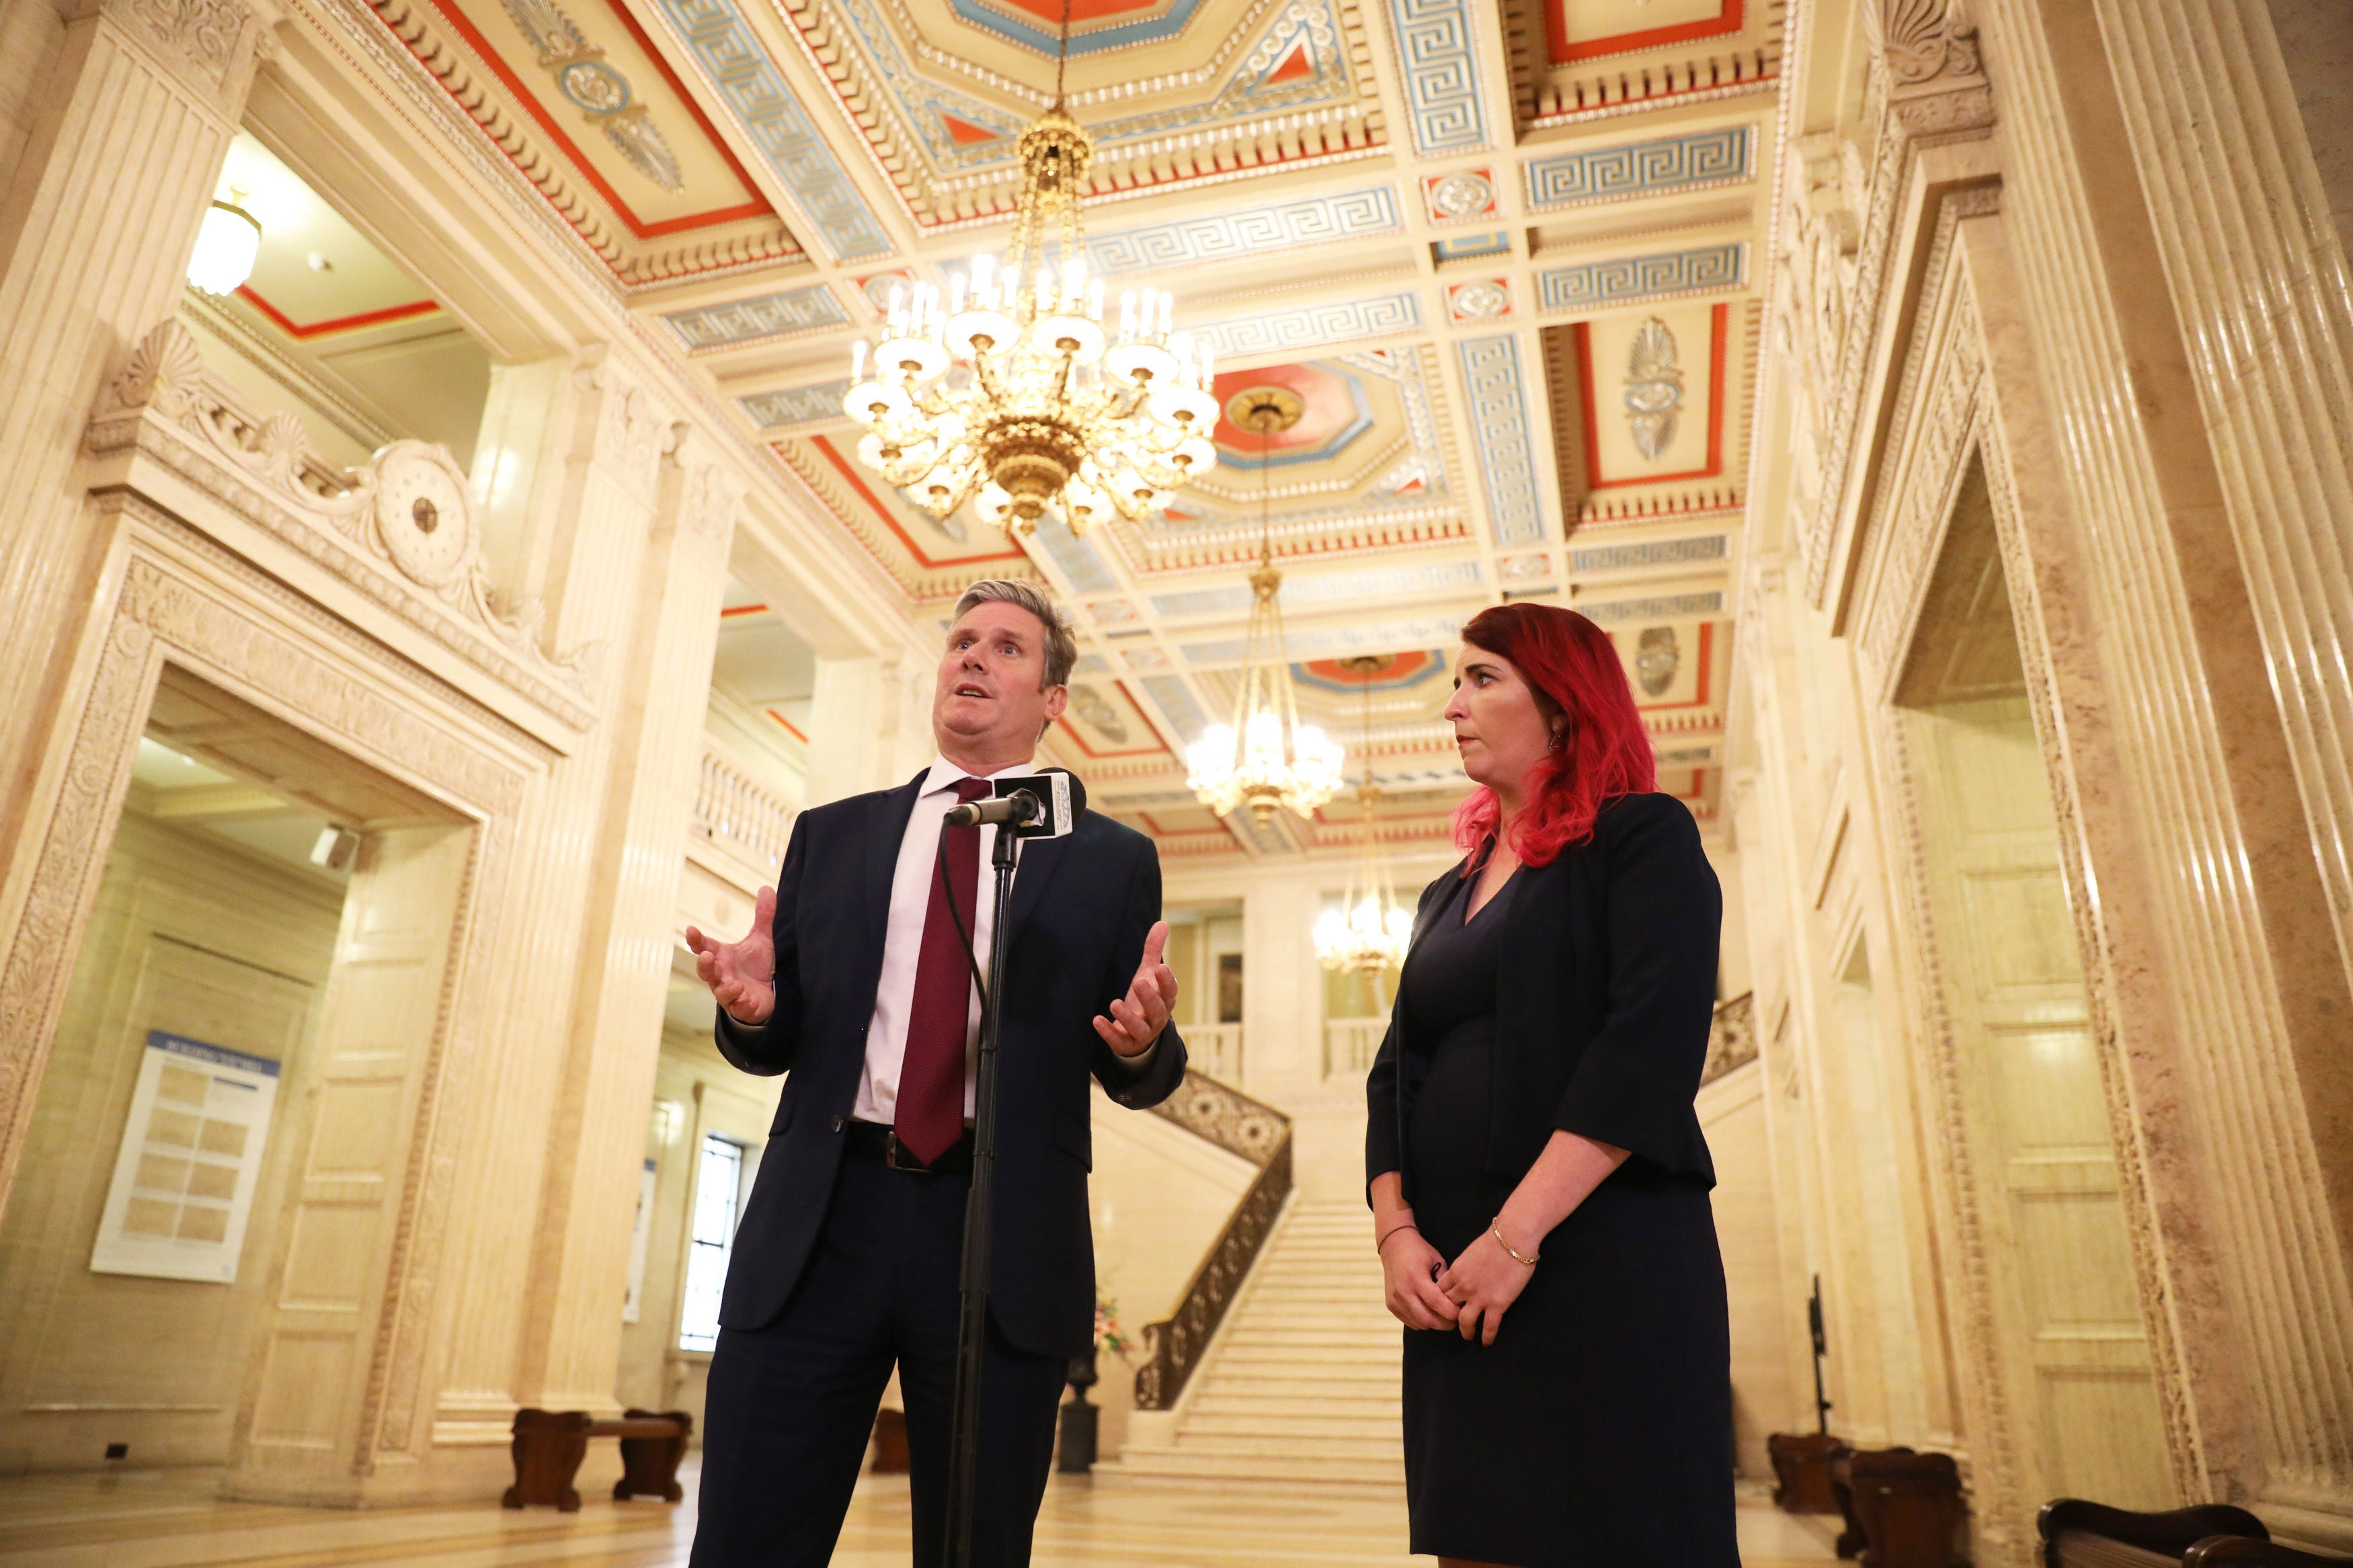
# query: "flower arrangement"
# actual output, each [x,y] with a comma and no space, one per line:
[1109,1335]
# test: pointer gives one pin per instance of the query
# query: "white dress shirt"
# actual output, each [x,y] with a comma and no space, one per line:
[902,942]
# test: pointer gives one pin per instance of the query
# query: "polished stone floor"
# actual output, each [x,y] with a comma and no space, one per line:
[172,1519]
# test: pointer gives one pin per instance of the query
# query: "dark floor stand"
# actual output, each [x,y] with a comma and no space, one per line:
[550,1444]
[1081,1420]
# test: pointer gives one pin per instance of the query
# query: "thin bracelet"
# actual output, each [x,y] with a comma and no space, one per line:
[1496,1230]
[1392,1230]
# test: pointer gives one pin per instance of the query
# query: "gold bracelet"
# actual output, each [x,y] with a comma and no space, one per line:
[1392,1230]
[1496,1230]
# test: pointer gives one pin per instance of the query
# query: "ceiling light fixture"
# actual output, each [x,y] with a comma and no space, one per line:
[1007,387]
[227,245]
[1266,758]
[1371,931]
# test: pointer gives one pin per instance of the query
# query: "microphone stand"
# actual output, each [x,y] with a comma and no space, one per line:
[972,1322]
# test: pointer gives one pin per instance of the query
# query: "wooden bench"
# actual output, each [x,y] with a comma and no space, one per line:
[1801,1471]
[2079,1534]
[1904,1509]
[550,1444]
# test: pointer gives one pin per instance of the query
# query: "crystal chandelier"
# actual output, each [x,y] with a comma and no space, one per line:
[1370,929]
[1010,389]
[1266,758]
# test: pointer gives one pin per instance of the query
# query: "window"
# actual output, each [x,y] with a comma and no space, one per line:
[718,1197]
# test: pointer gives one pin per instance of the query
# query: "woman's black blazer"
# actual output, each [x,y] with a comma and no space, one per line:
[1603,996]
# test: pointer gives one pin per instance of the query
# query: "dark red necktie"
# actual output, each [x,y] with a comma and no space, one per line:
[930,1114]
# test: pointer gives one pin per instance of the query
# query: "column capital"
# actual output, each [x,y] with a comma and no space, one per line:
[208,47]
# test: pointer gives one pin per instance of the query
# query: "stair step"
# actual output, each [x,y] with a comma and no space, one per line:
[1312,1432]
[1376,1402]
[1286,1466]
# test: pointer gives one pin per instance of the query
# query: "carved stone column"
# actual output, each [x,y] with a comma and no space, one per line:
[2259,277]
[2153,447]
[624,973]
[517,1171]
[96,224]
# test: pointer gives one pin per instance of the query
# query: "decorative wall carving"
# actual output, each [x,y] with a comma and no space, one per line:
[1921,40]
[210,44]
[1839,297]
[400,531]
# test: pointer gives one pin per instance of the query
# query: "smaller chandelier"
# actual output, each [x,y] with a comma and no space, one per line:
[1371,931]
[1266,758]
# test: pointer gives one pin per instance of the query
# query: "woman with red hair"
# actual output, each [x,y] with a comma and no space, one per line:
[1539,1180]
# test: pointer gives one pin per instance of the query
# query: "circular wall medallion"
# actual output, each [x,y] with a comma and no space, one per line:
[1465,195]
[595,86]
[1264,409]
[421,512]
[1480,301]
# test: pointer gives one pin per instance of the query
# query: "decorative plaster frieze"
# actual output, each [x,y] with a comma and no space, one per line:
[1594,286]
[1439,58]
[1310,327]
[729,53]
[791,407]
[763,317]
[516,152]
[1663,607]
[1694,161]
[1505,432]
[400,531]
[1650,553]
[1251,232]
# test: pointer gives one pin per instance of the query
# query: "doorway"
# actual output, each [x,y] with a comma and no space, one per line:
[2039,1170]
[215,1156]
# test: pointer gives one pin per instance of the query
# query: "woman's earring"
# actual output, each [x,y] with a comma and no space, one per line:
[1559,737]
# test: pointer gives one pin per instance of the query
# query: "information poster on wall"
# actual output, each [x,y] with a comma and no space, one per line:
[191,1158]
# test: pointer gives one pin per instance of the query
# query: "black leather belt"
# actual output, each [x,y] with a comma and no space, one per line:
[871,1141]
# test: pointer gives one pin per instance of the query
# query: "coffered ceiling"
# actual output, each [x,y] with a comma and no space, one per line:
[1504,253]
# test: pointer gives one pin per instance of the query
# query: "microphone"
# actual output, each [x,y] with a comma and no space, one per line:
[1033,805]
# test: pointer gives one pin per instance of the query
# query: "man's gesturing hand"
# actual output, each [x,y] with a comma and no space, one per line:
[743,975]
[1137,1018]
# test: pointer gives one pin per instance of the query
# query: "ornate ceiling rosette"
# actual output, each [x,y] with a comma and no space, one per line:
[1186,92]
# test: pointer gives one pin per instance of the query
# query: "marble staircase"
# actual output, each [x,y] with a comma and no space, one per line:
[1301,1384]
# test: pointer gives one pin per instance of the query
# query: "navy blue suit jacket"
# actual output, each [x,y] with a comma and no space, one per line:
[1081,905]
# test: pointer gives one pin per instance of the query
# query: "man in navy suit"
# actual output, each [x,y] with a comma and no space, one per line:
[855,981]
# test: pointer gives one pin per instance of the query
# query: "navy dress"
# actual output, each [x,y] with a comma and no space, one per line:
[1596,1429]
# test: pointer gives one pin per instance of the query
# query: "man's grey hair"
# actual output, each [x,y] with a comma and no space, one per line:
[1061,647]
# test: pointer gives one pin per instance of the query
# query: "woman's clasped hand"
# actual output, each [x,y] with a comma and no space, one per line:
[1469,1295]
[1412,1267]
[1483,1284]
